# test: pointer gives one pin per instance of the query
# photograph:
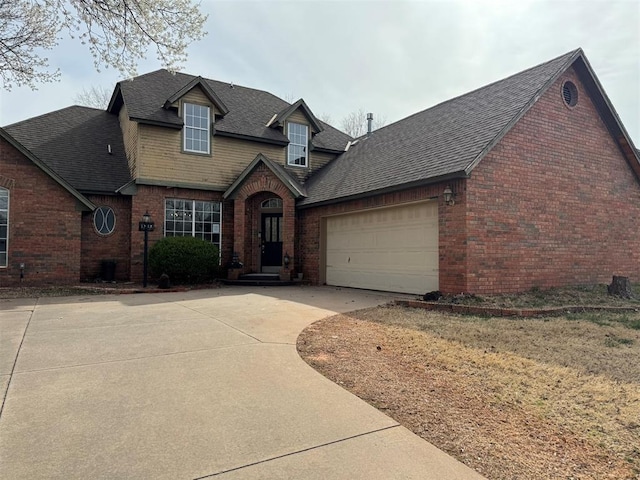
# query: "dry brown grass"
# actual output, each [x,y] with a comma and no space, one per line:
[514,399]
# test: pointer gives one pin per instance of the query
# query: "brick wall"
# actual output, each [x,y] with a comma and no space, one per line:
[259,186]
[452,251]
[44,224]
[554,203]
[116,246]
[151,199]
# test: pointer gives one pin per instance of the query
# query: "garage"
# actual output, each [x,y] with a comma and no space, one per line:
[393,249]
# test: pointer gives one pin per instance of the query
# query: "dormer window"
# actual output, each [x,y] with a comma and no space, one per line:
[298,139]
[197,124]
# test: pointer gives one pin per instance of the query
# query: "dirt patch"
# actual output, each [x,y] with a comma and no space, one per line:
[513,399]
[583,295]
[59,291]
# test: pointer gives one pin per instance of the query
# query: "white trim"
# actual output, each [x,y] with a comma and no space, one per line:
[272,119]
[103,220]
[220,243]
[291,143]
[193,221]
[200,129]
[7,239]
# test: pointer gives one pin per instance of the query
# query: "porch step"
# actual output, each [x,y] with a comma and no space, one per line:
[259,279]
[260,276]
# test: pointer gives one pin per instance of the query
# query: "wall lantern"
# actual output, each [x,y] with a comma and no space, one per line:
[448,196]
[287,260]
[146,226]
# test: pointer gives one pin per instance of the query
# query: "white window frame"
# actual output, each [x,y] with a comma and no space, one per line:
[105,210]
[294,141]
[4,257]
[193,220]
[188,128]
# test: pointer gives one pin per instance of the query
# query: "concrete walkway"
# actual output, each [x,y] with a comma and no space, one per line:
[190,385]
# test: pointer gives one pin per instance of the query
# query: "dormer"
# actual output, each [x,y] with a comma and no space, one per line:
[198,106]
[296,121]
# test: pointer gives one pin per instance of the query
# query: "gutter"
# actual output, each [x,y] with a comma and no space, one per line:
[461,175]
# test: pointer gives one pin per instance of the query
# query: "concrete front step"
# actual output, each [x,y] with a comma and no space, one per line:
[259,279]
[260,276]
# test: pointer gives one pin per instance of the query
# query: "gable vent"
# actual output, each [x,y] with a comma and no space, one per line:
[569,94]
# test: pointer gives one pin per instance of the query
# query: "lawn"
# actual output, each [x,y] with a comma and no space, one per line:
[532,399]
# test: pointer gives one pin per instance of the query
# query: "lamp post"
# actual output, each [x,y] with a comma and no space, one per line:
[146,226]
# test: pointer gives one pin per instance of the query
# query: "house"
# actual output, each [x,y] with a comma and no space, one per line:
[531,181]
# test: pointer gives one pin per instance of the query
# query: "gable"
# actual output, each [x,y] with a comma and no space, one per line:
[197,96]
[302,114]
[561,150]
[13,152]
[449,140]
[281,174]
[200,92]
[84,146]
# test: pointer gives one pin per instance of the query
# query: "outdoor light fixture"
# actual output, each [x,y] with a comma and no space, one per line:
[448,196]
[146,226]
[287,260]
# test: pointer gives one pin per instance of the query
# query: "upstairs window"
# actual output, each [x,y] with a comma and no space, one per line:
[4,225]
[298,138]
[196,128]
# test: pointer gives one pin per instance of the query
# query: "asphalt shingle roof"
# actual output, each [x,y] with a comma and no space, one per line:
[73,142]
[249,109]
[443,140]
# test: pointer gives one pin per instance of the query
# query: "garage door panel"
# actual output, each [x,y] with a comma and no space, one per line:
[393,249]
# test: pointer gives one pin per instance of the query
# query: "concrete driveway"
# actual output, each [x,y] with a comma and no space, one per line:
[190,385]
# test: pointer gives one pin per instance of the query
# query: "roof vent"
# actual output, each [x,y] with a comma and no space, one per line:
[569,94]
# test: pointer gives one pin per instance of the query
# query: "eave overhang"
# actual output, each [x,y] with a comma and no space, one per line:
[45,168]
[206,88]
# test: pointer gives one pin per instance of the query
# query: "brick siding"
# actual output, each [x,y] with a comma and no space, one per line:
[259,186]
[44,224]
[116,246]
[451,249]
[151,199]
[554,203]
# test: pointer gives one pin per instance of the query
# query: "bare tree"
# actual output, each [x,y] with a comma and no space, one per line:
[118,34]
[325,117]
[96,97]
[355,123]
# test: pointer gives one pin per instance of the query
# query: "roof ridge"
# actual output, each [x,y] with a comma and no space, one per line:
[68,107]
[521,72]
[206,79]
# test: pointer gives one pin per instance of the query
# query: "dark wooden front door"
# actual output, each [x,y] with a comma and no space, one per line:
[271,241]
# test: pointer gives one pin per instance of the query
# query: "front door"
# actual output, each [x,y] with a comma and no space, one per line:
[271,242]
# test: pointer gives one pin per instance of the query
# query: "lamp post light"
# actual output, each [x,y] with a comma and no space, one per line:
[146,226]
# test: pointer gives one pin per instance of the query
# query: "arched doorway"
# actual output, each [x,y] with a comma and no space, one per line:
[271,235]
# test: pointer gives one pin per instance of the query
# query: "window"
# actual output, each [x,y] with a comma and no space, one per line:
[272,203]
[192,218]
[298,137]
[104,220]
[4,226]
[196,128]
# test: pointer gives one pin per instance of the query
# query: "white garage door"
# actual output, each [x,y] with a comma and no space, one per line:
[393,249]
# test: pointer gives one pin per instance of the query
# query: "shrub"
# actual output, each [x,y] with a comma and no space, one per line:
[185,259]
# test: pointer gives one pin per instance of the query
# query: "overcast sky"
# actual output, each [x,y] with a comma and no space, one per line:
[393,58]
